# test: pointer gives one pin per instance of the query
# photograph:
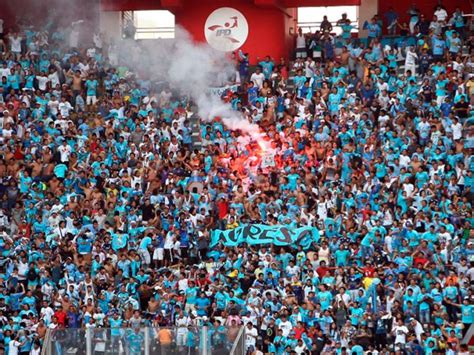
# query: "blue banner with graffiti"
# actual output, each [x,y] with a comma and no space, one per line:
[221,90]
[254,234]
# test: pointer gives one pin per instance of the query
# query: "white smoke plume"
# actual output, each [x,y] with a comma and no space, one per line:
[191,68]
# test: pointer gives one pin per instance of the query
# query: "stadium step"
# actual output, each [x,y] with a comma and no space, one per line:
[196,131]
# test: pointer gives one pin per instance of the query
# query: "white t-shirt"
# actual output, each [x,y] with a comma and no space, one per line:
[441,14]
[4,72]
[182,322]
[404,160]
[54,78]
[250,336]
[344,298]
[300,349]
[458,66]
[383,119]
[457,130]
[47,314]
[400,334]
[445,237]
[13,346]
[309,69]
[408,188]
[388,242]
[285,328]
[64,108]
[169,241]
[418,328]
[42,82]
[322,210]
[7,133]
[15,43]
[64,151]
[300,42]
[91,52]
[258,79]
[53,106]
[411,58]
[22,270]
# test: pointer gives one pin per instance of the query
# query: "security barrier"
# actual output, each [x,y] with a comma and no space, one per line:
[206,340]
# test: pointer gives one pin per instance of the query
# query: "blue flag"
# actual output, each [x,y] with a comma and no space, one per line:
[253,234]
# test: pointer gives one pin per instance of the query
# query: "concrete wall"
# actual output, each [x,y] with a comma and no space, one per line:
[367,10]
[109,24]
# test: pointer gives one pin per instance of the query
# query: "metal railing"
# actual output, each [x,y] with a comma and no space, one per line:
[316,26]
[46,346]
[469,335]
[206,340]
[239,344]
[127,24]
[154,32]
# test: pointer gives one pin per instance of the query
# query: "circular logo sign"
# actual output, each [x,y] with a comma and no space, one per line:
[226,29]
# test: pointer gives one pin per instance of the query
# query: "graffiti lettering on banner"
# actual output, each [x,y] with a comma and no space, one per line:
[254,234]
[221,90]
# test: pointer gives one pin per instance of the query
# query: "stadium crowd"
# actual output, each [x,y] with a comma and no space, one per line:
[107,202]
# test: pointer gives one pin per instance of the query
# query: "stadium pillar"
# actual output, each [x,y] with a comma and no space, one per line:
[110,25]
[147,341]
[88,341]
[367,10]
[204,341]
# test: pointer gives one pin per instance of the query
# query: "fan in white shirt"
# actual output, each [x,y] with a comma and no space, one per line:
[64,151]
[404,159]
[400,331]
[36,349]
[441,14]
[410,61]
[54,79]
[251,335]
[408,188]
[310,66]
[301,347]
[65,107]
[14,345]
[417,327]
[53,105]
[42,81]
[4,72]
[15,43]
[257,78]
[383,119]
[47,313]
[456,126]
[285,326]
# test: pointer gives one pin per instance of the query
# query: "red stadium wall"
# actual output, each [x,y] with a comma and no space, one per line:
[135,5]
[268,27]
[427,7]
[271,22]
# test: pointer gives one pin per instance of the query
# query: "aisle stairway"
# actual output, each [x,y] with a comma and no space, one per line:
[196,131]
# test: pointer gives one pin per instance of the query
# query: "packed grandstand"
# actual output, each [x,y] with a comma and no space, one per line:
[345,228]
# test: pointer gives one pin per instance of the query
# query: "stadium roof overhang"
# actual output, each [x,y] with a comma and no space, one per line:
[136,5]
